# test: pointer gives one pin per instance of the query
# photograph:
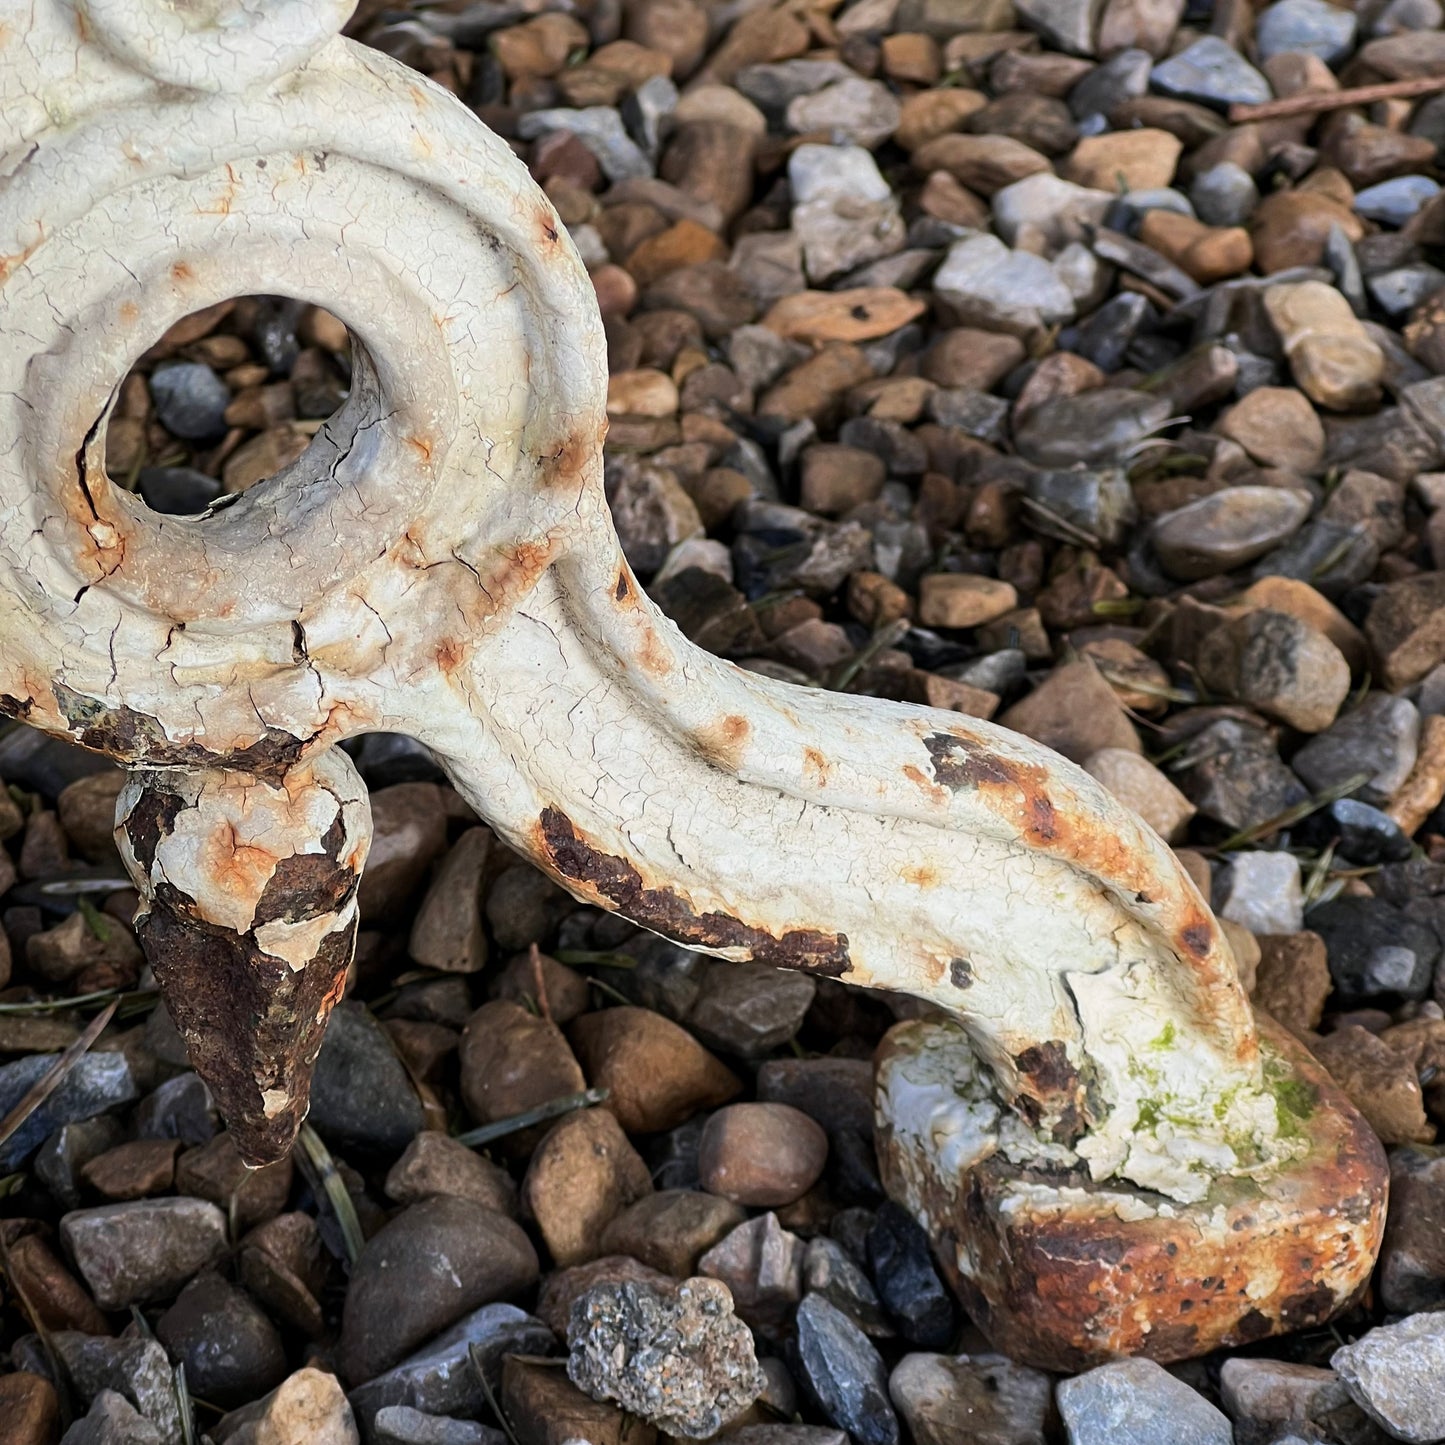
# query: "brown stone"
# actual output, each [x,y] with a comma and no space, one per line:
[264,455]
[409,832]
[512,1061]
[1290,228]
[1134,160]
[671,1230]
[960,599]
[762,1265]
[933,113]
[1061,373]
[912,57]
[837,478]
[944,197]
[546,1408]
[611,72]
[560,993]
[37,1275]
[1278,664]
[983,163]
[1334,359]
[1369,154]
[1380,1083]
[1037,121]
[644,392]
[759,38]
[282,1264]
[1299,599]
[761,1155]
[434,1163]
[656,1074]
[684,243]
[1138,25]
[1141,787]
[714,295]
[86,809]
[972,360]
[447,933]
[423,1047]
[583,1174]
[563,1287]
[1075,712]
[133,1170]
[675,28]
[1278,427]
[538,47]
[1292,980]
[29,1410]
[813,389]
[1406,629]
[875,601]
[216,1172]
[1207,253]
[861,314]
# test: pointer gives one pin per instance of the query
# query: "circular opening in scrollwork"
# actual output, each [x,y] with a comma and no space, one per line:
[229,396]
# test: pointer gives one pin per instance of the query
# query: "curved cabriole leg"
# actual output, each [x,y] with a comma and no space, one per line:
[248,917]
[1095,1120]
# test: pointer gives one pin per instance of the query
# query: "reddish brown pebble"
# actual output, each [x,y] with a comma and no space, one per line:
[762,1155]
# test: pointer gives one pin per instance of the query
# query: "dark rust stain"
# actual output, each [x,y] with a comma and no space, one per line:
[955,766]
[665,912]
[308,885]
[15,707]
[960,973]
[134,737]
[152,819]
[1197,937]
[624,587]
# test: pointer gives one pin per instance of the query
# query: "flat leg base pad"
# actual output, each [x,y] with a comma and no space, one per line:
[1065,1274]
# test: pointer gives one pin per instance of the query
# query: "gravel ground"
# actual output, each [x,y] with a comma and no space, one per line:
[969,352]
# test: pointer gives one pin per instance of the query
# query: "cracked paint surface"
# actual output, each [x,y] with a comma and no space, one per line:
[441,562]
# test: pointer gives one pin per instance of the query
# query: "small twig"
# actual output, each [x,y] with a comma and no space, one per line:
[615,994]
[475,1356]
[885,637]
[1316,101]
[602,957]
[552,1109]
[334,1187]
[534,956]
[183,1404]
[52,1079]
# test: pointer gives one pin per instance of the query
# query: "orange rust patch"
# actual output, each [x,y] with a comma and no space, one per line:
[182,272]
[240,868]
[722,742]
[422,446]
[652,655]
[569,463]
[450,655]
[816,767]
[921,875]
[129,312]
[920,779]
[546,224]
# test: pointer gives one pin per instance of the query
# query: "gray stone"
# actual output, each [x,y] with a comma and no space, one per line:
[361,1096]
[600,129]
[422,1271]
[1312,26]
[1394,1372]
[113,1420]
[1099,502]
[181,1108]
[58,1162]
[749,1009]
[1224,195]
[1262,1395]
[1411,1273]
[1403,288]
[845,1373]
[839,234]
[440,1378]
[1068,24]
[1233,774]
[1262,892]
[985,284]
[231,1351]
[94,1084]
[674,1354]
[975,413]
[1095,428]
[1121,77]
[982,1399]
[832,173]
[190,400]
[1213,72]
[179,491]
[1376,948]
[1048,205]
[144,1250]
[851,112]
[774,87]
[762,1265]
[132,1367]
[787,1435]
[829,1270]
[1227,529]
[1395,201]
[401,1425]
[647,111]
[1274,662]
[1137,1402]
[1380,738]
[1401,15]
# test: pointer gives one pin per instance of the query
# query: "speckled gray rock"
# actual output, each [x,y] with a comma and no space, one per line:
[144,1250]
[113,1420]
[1137,1402]
[1379,737]
[1394,1374]
[401,1425]
[1375,948]
[844,1373]
[1311,26]
[440,1379]
[95,1083]
[1213,72]
[361,1097]
[677,1356]
[1233,774]
[136,1369]
[982,1399]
